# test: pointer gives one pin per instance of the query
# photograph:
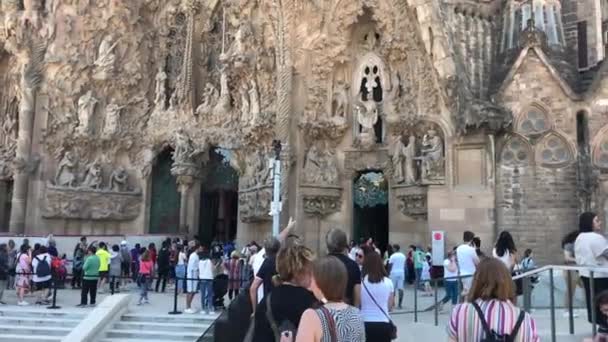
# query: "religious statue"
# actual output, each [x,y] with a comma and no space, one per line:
[410,161]
[223,106]
[183,148]
[339,103]
[367,117]
[254,98]
[104,64]
[432,156]
[210,98]
[244,92]
[237,53]
[261,170]
[330,167]
[173,101]
[313,170]
[93,177]
[86,108]
[8,129]
[161,79]
[397,159]
[119,180]
[66,171]
[112,124]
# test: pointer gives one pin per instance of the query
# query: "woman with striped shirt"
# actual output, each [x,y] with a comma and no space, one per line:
[494,293]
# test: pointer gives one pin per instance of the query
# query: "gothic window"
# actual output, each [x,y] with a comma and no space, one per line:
[601,154]
[534,122]
[515,153]
[553,150]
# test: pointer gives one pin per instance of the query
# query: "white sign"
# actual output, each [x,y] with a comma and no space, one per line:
[438,246]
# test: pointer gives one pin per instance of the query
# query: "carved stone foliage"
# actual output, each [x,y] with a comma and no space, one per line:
[418,155]
[412,202]
[321,202]
[90,204]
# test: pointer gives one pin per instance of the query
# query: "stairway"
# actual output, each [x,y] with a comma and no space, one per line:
[36,325]
[134,327]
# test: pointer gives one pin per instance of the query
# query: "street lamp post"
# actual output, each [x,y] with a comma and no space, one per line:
[275,208]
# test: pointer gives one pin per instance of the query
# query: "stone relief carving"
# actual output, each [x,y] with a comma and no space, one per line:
[184,149]
[367,117]
[210,99]
[433,165]
[339,103]
[106,58]
[414,205]
[67,171]
[93,178]
[321,205]
[161,89]
[112,120]
[404,160]
[320,167]
[81,204]
[86,108]
[119,180]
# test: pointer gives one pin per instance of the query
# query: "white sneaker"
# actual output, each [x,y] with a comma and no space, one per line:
[566,314]
[189,311]
[23,303]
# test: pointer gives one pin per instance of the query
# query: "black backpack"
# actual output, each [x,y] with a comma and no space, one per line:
[493,336]
[43,269]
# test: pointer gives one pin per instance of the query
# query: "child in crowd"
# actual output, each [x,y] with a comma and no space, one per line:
[425,277]
[145,277]
[602,302]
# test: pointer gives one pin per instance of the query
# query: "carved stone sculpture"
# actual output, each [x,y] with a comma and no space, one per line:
[184,149]
[86,108]
[432,157]
[112,121]
[9,126]
[254,98]
[161,88]
[313,171]
[223,107]
[403,159]
[66,171]
[367,117]
[93,177]
[106,58]
[339,103]
[119,180]
[210,99]
[245,109]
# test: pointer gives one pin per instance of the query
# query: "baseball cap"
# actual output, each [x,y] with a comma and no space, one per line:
[123,243]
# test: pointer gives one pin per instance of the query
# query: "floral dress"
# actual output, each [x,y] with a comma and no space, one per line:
[23,266]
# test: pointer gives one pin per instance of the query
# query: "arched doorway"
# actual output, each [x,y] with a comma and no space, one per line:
[165,203]
[370,207]
[219,198]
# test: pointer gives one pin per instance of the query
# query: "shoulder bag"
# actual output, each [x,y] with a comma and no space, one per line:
[276,329]
[393,326]
[331,324]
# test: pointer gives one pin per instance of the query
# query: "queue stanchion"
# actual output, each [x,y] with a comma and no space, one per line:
[54,303]
[175,312]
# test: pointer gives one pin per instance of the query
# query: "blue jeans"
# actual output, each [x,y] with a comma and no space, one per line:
[451,292]
[419,283]
[180,274]
[206,287]
[144,284]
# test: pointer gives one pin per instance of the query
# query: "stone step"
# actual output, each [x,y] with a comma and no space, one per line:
[158,326]
[31,338]
[28,330]
[41,313]
[38,321]
[114,334]
[187,319]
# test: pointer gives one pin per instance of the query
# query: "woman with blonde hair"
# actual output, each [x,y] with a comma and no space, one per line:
[490,309]
[282,308]
[335,321]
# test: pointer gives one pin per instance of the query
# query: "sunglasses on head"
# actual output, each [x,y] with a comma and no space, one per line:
[359,255]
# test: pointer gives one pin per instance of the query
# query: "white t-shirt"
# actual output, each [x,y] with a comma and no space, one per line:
[467,259]
[397,262]
[426,271]
[205,269]
[505,258]
[588,249]
[181,258]
[256,262]
[381,292]
[35,264]
[193,265]
[446,271]
[353,253]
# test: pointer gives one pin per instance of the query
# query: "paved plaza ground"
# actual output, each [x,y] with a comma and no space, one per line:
[424,329]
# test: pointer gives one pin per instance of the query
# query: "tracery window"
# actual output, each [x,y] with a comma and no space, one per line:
[515,153]
[553,150]
[601,154]
[534,122]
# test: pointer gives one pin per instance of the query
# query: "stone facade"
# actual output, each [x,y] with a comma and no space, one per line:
[158,117]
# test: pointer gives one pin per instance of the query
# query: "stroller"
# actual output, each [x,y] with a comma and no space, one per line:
[220,288]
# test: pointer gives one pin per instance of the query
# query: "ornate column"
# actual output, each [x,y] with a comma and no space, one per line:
[186,173]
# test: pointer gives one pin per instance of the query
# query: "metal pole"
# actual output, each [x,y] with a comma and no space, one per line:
[416,299]
[175,312]
[591,304]
[527,292]
[436,306]
[553,338]
[570,295]
[276,201]
[54,304]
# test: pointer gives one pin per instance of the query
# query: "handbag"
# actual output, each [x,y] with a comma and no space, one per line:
[276,329]
[331,324]
[393,326]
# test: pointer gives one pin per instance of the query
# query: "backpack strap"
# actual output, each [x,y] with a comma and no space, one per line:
[520,320]
[331,324]
[271,321]
[482,318]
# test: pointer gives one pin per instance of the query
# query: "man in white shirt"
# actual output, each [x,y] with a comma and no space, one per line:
[467,261]
[41,266]
[397,275]
[193,275]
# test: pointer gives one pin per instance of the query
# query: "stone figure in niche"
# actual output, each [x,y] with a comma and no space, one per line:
[404,160]
[261,169]
[86,108]
[367,117]
[330,167]
[161,80]
[119,180]
[93,176]
[210,98]
[173,101]
[106,58]
[223,107]
[339,103]
[183,148]
[313,171]
[112,124]
[66,171]
[410,161]
[254,98]
[237,52]
[432,156]
[244,92]
[9,129]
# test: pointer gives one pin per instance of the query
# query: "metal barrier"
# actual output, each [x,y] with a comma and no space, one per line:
[525,276]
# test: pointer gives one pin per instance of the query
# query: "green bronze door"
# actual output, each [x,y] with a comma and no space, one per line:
[164,207]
